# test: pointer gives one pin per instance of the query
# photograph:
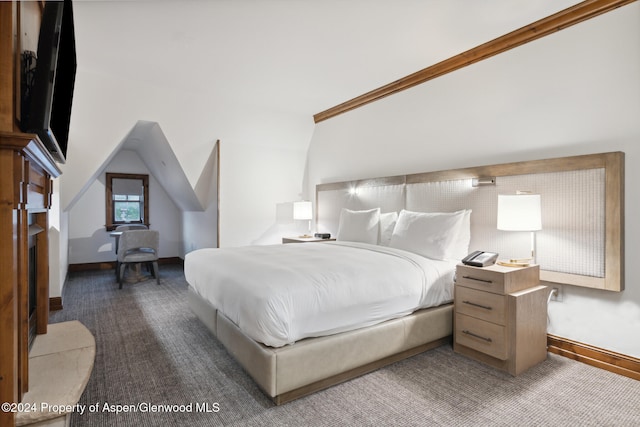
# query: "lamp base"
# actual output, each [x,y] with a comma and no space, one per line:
[520,262]
[305,236]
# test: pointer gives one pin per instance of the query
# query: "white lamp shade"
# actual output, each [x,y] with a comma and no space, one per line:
[302,210]
[519,212]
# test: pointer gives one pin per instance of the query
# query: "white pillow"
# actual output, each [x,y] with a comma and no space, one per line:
[359,226]
[428,234]
[460,245]
[387,224]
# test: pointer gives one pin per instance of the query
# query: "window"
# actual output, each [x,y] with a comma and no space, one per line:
[127,199]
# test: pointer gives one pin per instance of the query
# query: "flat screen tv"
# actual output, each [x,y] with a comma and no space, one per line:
[48,103]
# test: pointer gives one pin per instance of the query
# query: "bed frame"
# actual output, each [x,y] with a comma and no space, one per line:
[593,182]
[293,371]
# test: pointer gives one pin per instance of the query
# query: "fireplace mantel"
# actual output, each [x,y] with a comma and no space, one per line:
[26,172]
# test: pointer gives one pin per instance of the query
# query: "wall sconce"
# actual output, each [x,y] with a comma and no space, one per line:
[303,211]
[484,180]
[520,212]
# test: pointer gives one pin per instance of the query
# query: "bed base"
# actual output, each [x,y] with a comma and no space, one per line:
[293,371]
[356,372]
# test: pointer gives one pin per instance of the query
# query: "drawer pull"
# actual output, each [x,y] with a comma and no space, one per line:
[486,307]
[477,336]
[476,279]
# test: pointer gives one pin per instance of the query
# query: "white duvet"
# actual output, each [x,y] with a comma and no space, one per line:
[282,293]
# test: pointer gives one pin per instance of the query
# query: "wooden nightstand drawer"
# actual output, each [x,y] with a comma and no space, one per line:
[481,305]
[497,279]
[482,336]
[480,278]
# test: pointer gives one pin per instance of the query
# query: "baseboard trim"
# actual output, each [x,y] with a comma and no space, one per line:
[90,266]
[55,303]
[605,359]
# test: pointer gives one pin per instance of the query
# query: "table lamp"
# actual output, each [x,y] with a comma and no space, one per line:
[520,212]
[303,211]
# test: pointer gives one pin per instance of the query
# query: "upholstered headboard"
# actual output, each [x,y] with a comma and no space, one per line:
[582,238]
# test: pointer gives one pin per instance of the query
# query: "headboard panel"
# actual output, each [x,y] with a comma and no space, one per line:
[582,238]
[387,195]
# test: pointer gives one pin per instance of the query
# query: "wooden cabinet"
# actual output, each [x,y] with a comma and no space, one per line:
[26,170]
[501,316]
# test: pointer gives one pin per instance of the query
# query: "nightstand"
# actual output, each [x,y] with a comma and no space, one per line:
[501,316]
[305,240]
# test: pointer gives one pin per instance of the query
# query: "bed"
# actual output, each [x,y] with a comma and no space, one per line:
[583,213]
[300,318]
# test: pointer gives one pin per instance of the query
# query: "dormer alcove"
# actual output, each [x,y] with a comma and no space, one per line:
[144,150]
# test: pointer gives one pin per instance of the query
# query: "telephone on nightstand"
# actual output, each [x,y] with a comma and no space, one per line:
[480,259]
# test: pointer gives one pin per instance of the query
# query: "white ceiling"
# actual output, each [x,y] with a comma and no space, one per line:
[290,55]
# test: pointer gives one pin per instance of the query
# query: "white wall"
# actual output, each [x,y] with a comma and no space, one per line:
[90,242]
[256,179]
[200,229]
[262,157]
[58,243]
[575,92]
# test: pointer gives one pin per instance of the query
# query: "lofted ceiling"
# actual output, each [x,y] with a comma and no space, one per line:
[287,56]
[300,56]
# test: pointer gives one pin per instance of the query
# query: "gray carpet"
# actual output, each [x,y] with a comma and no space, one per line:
[151,349]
